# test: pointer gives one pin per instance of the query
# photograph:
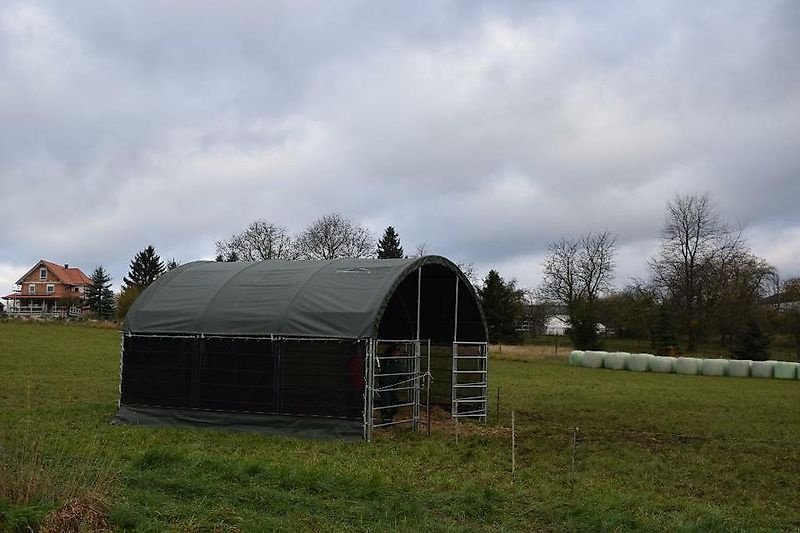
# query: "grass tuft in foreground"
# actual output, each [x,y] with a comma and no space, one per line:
[51,490]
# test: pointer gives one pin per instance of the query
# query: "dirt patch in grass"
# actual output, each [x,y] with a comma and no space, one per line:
[442,423]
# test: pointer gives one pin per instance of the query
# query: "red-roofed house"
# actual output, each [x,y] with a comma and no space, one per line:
[51,290]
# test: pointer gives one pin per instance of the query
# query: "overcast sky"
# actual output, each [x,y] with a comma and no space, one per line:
[486,130]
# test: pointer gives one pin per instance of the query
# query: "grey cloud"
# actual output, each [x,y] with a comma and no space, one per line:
[485,129]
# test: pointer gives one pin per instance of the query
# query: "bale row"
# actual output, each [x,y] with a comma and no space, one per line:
[692,366]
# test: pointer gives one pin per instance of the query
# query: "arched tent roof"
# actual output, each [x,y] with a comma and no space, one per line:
[342,298]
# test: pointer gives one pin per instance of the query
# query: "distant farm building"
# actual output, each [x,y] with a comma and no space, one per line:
[49,290]
[556,325]
[786,300]
[559,325]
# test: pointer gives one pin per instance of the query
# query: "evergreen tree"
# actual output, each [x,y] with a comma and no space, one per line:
[751,342]
[389,245]
[99,295]
[502,305]
[108,306]
[172,264]
[145,268]
[577,273]
[664,342]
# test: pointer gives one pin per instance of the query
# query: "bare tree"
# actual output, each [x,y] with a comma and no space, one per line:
[706,271]
[740,281]
[693,240]
[631,312]
[332,237]
[561,283]
[468,269]
[576,273]
[580,269]
[787,311]
[261,240]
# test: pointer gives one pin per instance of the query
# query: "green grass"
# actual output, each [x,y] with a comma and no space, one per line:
[654,452]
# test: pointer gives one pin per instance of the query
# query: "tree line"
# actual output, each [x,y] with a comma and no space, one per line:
[145,267]
[331,236]
[705,284]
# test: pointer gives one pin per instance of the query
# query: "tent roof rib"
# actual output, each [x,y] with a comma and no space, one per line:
[222,289]
[302,286]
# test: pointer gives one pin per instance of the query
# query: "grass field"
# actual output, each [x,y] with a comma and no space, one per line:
[655,452]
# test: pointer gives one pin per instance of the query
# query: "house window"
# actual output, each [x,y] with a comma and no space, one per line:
[32,289]
[42,273]
[51,288]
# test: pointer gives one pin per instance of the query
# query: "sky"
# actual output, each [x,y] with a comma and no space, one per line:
[485,130]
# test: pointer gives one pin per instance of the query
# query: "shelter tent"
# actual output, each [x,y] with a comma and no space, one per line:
[314,348]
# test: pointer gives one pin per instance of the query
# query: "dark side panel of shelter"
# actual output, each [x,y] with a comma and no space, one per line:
[293,347]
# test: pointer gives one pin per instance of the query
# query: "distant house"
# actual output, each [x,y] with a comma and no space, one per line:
[786,300]
[49,290]
[556,325]
[559,325]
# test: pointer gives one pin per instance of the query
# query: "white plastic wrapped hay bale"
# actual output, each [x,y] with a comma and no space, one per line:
[714,367]
[663,364]
[689,366]
[739,368]
[576,357]
[640,362]
[762,369]
[785,370]
[592,359]
[616,360]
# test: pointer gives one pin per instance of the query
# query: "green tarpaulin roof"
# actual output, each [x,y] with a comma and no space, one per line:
[343,298]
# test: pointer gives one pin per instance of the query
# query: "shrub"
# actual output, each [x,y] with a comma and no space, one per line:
[752,342]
